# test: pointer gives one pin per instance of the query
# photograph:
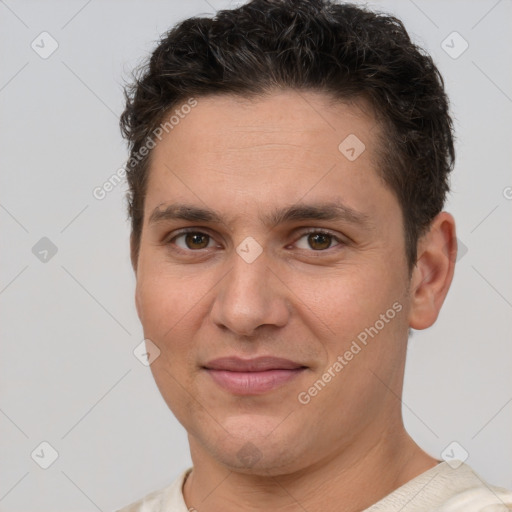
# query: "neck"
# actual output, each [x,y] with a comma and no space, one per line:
[356,477]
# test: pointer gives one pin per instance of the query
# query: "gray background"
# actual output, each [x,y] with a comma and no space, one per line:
[68,324]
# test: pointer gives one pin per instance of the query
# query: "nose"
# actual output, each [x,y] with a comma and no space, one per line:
[251,295]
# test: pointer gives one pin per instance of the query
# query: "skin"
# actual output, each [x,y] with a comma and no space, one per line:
[245,158]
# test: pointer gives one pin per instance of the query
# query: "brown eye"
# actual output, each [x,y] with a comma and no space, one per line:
[197,240]
[192,241]
[319,241]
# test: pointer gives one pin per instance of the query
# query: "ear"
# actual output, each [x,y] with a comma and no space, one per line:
[433,272]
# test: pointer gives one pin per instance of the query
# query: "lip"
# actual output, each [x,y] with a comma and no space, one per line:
[252,376]
[258,364]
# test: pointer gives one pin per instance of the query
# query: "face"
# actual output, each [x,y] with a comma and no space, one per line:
[263,236]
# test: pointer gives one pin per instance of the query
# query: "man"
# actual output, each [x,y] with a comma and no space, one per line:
[289,165]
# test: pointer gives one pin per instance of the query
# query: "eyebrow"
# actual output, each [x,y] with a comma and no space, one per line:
[333,211]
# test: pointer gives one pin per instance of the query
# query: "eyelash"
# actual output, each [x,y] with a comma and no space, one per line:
[303,234]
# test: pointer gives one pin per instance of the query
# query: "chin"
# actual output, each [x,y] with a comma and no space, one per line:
[267,456]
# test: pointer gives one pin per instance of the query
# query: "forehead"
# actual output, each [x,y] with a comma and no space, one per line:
[283,146]
[313,119]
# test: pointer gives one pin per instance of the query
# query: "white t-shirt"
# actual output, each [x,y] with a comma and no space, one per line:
[439,489]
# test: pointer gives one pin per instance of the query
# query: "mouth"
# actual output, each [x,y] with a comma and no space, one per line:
[253,376]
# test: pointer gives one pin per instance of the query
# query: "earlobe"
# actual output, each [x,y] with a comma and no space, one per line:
[433,272]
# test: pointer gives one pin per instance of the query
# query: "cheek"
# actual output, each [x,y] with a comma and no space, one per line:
[348,300]
[168,309]
[163,298]
[161,313]
[172,307]
[361,313]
